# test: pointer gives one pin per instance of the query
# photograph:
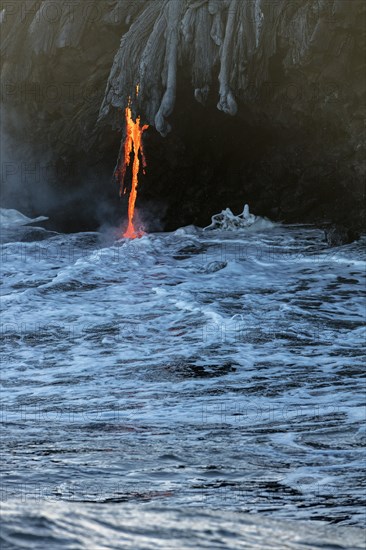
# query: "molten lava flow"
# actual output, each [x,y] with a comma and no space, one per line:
[133,143]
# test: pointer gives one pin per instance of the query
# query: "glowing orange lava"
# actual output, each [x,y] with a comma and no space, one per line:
[133,143]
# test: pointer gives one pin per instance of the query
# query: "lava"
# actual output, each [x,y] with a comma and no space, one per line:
[132,145]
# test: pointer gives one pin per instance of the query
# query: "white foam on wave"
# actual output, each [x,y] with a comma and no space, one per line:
[228,221]
[10,218]
[160,320]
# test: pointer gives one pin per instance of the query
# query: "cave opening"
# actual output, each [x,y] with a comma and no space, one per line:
[293,151]
[211,161]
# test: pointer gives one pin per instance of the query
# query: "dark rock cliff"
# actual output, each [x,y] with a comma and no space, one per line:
[287,76]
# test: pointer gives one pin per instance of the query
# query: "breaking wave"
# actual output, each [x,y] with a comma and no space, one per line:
[196,388]
[227,221]
[11,218]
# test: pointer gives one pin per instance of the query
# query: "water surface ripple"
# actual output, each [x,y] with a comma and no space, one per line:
[200,387]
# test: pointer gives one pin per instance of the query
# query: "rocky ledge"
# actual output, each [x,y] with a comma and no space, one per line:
[261,101]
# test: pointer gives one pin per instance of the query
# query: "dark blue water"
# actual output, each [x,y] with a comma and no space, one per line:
[193,389]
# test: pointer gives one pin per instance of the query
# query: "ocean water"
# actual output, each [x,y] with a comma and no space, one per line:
[194,389]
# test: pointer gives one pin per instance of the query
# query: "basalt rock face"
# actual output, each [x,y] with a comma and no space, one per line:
[258,101]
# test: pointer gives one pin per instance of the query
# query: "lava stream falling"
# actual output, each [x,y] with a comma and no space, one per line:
[133,144]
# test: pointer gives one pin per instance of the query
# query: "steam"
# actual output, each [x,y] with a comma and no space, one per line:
[69,65]
[31,175]
[25,170]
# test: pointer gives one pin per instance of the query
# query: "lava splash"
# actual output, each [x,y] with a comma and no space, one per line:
[132,145]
